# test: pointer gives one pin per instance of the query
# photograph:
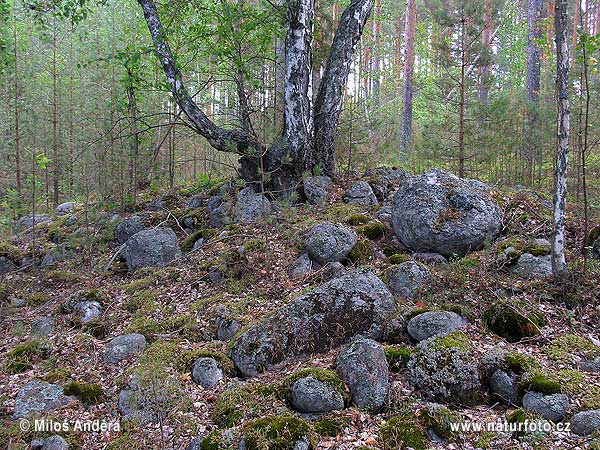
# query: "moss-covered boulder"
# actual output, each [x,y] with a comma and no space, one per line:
[315,391]
[318,321]
[510,321]
[445,370]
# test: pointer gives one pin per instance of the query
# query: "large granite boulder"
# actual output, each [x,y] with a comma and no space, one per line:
[585,423]
[551,407]
[360,193]
[363,366]
[315,189]
[439,212]
[432,323]
[326,242]
[325,318]
[37,396]
[406,278]
[154,247]
[65,208]
[124,347]
[310,395]
[27,221]
[129,227]
[251,206]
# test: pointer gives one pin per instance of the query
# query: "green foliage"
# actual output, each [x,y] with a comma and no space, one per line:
[24,355]
[372,230]
[276,433]
[88,393]
[402,431]
[397,356]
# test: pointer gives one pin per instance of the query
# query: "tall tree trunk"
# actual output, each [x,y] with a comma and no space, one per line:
[375,57]
[328,104]
[462,100]
[409,62]
[55,137]
[559,266]
[398,49]
[575,25]
[17,108]
[134,138]
[532,83]
[486,40]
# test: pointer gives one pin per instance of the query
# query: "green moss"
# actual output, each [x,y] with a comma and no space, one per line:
[397,258]
[400,432]
[139,284]
[142,301]
[62,276]
[372,230]
[361,253]
[204,233]
[357,219]
[185,361]
[331,425]
[146,326]
[505,319]
[276,433]
[23,356]
[12,437]
[457,339]
[88,393]
[440,419]
[538,381]
[397,356]
[341,212]
[326,376]
[58,374]
[212,441]
[10,251]
[247,402]
[520,363]
[485,439]
[37,299]
[582,391]
[564,347]
[254,245]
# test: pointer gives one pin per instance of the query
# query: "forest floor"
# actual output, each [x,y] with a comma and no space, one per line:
[174,308]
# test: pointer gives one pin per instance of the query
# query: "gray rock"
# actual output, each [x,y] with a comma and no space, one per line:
[596,249]
[27,221]
[197,201]
[318,321]
[431,259]
[206,372]
[431,323]
[384,214]
[37,396]
[6,265]
[189,223]
[333,270]
[550,407]
[195,443]
[218,213]
[55,442]
[71,220]
[251,206]
[315,189]
[384,180]
[124,347]
[199,244]
[360,193]
[43,326]
[529,266]
[156,205]
[405,279]
[65,208]
[154,247]
[364,368]
[326,242]
[300,267]
[543,243]
[57,254]
[504,386]
[444,373]
[129,227]
[439,212]
[591,365]
[88,311]
[227,326]
[585,423]
[310,395]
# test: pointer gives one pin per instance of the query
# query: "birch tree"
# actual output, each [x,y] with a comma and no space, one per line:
[306,142]
[559,266]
